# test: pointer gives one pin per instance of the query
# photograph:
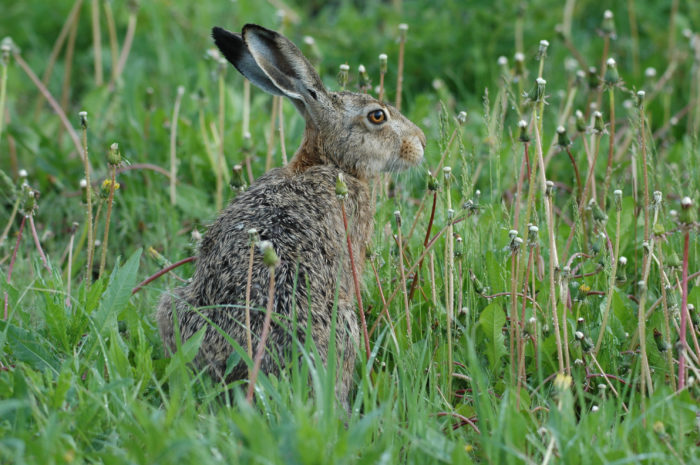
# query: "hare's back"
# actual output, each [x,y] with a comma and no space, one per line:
[298,213]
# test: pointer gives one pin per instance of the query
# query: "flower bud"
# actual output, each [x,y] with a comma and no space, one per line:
[598,125]
[640,99]
[532,233]
[661,345]
[270,258]
[113,156]
[462,117]
[341,189]
[617,197]
[383,63]
[542,50]
[519,59]
[580,122]
[598,213]
[621,275]
[612,76]
[343,75]
[608,26]
[592,77]
[687,214]
[403,29]
[563,140]
[523,137]
[83,119]
[237,181]
[432,182]
[447,173]
[459,246]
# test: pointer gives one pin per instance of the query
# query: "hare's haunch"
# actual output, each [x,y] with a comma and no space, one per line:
[295,208]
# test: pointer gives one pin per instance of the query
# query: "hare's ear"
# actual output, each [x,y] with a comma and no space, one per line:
[236,52]
[269,59]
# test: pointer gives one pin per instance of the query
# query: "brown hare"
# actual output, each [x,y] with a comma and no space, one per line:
[296,209]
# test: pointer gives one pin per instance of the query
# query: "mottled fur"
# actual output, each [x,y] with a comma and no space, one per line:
[295,208]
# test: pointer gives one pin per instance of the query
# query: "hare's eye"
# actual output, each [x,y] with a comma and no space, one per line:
[376,116]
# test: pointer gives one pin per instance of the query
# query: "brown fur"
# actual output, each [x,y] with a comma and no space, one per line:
[295,208]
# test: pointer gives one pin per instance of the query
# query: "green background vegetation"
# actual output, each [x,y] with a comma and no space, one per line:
[88,382]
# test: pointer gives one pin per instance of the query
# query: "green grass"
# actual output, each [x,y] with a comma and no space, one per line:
[87,380]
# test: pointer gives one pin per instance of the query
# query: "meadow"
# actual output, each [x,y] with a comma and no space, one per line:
[532,290]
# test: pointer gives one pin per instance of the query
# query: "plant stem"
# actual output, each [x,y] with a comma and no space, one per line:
[161,273]
[614,257]
[112,32]
[249,338]
[611,137]
[399,76]
[173,148]
[356,281]
[69,277]
[402,273]
[37,243]
[263,337]
[105,237]
[271,137]
[684,312]
[425,243]
[97,42]
[126,47]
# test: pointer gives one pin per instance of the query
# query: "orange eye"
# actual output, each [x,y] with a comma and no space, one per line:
[376,116]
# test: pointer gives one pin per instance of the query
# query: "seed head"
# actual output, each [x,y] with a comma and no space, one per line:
[640,99]
[650,73]
[113,156]
[617,195]
[343,75]
[519,64]
[382,62]
[523,136]
[447,172]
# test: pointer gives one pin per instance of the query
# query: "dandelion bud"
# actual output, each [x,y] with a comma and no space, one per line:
[253,235]
[542,50]
[580,324]
[531,327]
[621,276]
[549,188]
[661,345]
[598,213]
[532,233]
[462,117]
[432,183]
[640,99]
[478,287]
[523,137]
[149,99]
[580,122]
[83,119]
[612,76]
[513,233]
[659,429]
[519,59]
[540,86]
[447,172]
[397,217]
[343,75]
[687,214]
[650,73]
[341,189]
[365,81]
[598,125]
[403,29]
[563,140]
[22,174]
[459,246]
[617,196]
[237,181]
[450,214]
[592,77]
[382,63]
[608,26]
[270,258]
[113,156]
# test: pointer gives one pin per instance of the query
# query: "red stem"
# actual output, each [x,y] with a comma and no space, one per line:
[14,252]
[425,244]
[356,281]
[161,273]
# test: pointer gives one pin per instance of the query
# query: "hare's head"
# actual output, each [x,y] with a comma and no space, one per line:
[355,132]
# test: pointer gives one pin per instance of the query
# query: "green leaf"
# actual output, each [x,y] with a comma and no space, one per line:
[29,347]
[491,322]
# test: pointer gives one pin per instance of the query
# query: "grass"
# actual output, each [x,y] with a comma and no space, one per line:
[541,324]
